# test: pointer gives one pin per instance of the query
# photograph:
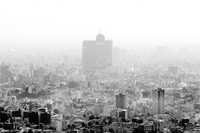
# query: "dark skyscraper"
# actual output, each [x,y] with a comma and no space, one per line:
[96,54]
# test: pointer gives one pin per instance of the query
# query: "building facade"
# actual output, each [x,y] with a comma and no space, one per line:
[96,54]
[121,101]
[158,96]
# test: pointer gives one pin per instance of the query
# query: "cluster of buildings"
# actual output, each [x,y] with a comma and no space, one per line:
[98,98]
[40,119]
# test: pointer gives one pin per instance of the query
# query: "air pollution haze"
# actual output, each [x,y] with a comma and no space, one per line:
[50,26]
[99,66]
[50,23]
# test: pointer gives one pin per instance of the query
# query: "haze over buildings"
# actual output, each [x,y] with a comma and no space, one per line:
[57,28]
[141,77]
[48,24]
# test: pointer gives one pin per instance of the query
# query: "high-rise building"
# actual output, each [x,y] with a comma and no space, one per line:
[158,100]
[96,54]
[121,101]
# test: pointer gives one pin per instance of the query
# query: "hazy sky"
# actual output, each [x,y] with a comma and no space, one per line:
[66,23]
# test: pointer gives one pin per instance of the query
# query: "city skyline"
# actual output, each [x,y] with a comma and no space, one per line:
[99,66]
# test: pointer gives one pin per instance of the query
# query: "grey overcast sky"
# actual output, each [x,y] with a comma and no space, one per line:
[66,23]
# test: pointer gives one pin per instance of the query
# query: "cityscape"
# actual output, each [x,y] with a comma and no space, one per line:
[97,95]
[90,66]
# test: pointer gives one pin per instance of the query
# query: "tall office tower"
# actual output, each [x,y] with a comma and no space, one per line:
[96,54]
[121,106]
[121,101]
[158,100]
